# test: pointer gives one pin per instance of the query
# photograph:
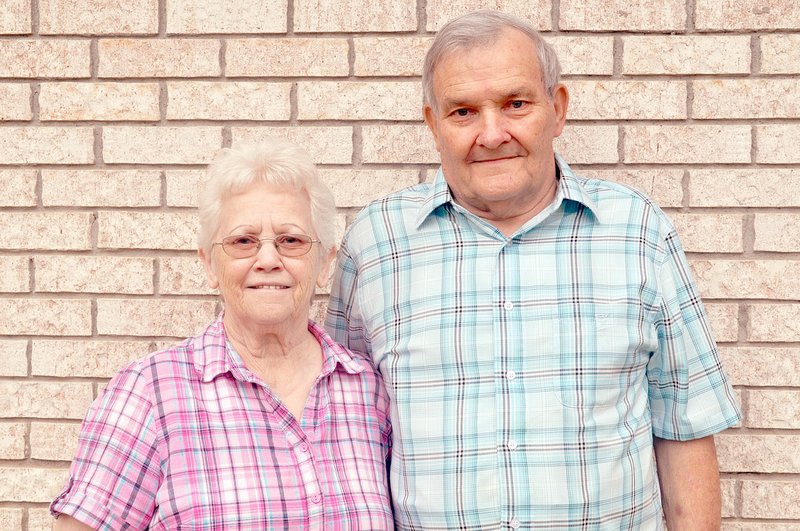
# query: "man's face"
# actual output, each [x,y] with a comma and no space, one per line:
[494,124]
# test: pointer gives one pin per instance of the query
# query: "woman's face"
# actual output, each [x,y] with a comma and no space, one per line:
[266,289]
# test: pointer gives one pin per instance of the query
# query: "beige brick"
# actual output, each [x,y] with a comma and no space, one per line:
[47,145]
[14,276]
[777,232]
[724,320]
[54,441]
[147,230]
[756,526]
[47,400]
[45,231]
[352,15]
[587,56]
[710,233]
[589,144]
[780,54]
[93,274]
[377,56]
[537,12]
[627,100]
[318,310]
[11,519]
[770,499]
[738,15]
[153,317]
[748,279]
[760,366]
[743,187]
[226,16]
[356,188]
[84,359]
[411,144]
[12,441]
[773,408]
[108,188]
[15,18]
[774,322]
[183,275]
[631,15]
[728,488]
[160,145]
[183,187]
[98,101]
[37,485]
[758,453]
[777,143]
[158,58]
[687,144]
[56,317]
[17,188]
[44,58]
[664,185]
[287,57]
[745,98]
[228,100]
[98,17]
[325,145]
[16,98]
[13,358]
[686,54]
[345,100]
[40,520]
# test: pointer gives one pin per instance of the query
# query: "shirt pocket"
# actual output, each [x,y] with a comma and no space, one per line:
[599,363]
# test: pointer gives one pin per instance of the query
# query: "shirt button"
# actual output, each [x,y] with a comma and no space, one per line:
[303,447]
[514,523]
[508,305]
[316,498]
[512,444]
[511,375]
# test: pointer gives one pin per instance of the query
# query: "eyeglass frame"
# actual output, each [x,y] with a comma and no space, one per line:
[260,243]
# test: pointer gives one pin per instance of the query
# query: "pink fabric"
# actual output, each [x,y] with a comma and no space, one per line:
[189,438]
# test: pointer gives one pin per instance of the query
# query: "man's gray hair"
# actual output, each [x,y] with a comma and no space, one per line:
[275,162]
[480,28]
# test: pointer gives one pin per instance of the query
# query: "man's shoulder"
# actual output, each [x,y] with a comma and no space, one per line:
[399,210]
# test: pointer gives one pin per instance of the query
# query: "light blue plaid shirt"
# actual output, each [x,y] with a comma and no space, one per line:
[528,375]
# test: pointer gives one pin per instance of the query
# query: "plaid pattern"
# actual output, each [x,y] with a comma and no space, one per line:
[528,375]
[188,438]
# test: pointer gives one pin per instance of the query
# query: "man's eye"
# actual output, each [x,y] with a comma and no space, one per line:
[517,104]
[461,112]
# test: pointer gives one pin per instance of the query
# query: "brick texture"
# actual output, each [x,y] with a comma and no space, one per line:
[111,111]
[287,57]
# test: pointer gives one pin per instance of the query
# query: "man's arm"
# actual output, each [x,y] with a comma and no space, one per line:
[689,476]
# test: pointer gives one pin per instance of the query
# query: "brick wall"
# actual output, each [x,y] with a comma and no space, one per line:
[110,109]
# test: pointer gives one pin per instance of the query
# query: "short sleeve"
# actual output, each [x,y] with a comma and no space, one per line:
[690,396]
[115,475]
[343,321]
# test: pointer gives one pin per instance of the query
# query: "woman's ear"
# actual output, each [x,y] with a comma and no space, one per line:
[211,276]
[326,271]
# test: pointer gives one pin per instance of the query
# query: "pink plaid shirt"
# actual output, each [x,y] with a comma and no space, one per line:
[188,438]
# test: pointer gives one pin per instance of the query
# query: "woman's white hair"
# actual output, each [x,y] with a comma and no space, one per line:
[275,162]
[480,28]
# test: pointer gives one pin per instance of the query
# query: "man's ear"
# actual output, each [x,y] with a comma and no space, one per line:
[560,104]
[433,123]
[211,276]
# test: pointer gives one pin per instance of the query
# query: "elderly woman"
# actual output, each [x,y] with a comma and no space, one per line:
[261,421]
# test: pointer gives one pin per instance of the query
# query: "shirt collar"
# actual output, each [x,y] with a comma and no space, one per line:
[213,355]
[570,188]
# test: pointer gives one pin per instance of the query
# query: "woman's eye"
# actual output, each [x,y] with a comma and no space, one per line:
[242,241]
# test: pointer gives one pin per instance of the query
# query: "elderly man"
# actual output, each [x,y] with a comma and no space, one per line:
[548,358]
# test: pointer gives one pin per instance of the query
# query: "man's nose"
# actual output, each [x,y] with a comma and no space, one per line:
[494,130]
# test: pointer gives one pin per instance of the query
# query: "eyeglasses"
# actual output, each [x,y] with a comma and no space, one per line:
[246,245]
